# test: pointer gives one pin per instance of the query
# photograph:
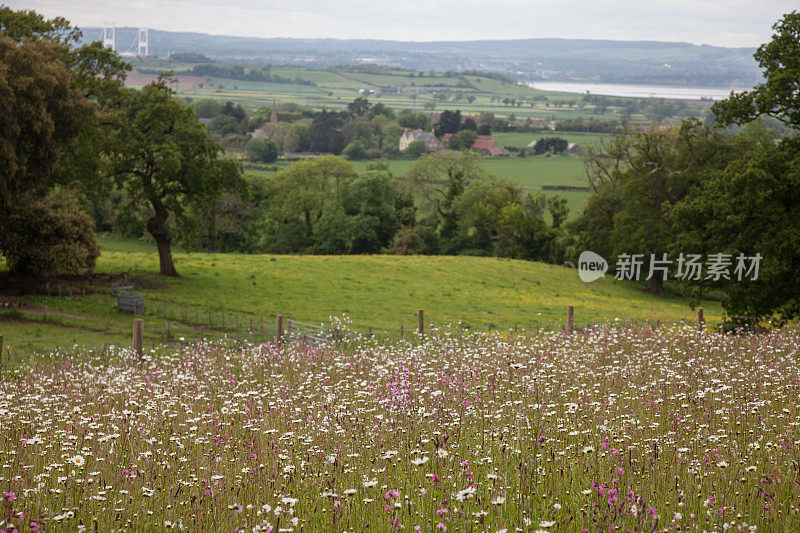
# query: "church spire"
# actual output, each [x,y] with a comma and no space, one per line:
[274,116]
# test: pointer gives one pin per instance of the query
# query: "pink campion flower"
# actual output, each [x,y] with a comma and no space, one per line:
[464,463]
[440,512]
[391,493]
[435,478]
[441,526]
[34,526]
[541,439]
[387,508]
[652,511]
[620,470]
[9,496]
[337,504]
[469,474]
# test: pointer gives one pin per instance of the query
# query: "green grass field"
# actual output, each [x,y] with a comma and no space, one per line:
[400,89]
[221,293]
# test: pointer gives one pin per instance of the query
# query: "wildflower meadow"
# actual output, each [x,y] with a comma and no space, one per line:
[614,428]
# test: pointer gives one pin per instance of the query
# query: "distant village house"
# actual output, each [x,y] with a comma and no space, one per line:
[409,136]
[485,144]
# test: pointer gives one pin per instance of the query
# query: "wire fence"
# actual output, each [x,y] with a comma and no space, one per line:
[169,323]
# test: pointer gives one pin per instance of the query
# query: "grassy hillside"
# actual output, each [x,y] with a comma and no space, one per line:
[220,293]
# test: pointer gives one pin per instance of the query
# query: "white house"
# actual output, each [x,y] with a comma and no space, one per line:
[429,137]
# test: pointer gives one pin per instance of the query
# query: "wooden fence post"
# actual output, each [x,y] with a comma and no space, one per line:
[420,321]
[279,328]
[401,328]
[570,319]
[138,332]
[700,318]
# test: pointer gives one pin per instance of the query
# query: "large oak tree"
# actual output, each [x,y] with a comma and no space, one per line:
[164,158]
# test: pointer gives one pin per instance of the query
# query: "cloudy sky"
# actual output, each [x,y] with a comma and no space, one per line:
[717,22]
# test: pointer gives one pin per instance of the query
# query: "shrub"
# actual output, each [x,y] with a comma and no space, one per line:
[415,240]
[417,148]
[355,150]
[263,150]
[51,235]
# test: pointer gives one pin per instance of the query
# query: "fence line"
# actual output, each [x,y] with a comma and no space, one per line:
[317,332]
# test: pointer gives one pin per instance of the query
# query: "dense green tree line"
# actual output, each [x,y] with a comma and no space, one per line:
[447,205]
[694,189]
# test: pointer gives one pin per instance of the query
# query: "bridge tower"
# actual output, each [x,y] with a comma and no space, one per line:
[110,37]
[143,50]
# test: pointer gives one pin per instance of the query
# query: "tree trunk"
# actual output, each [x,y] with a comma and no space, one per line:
[156,227]
[655,285]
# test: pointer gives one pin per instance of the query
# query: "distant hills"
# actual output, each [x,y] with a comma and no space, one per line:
[584,60]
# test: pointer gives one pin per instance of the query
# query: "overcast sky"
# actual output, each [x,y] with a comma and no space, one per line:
[717,22]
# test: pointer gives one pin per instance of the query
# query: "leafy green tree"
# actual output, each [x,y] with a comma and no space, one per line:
[391,134]
[778,96]
[299,137]
[164,158]
[236,111]
[359,107]
[355,150]
[437,180]
[557,207]
[263,150]
[469,124]
[324,135]
[90,72]
[639,179]
[380,109]
[417,148]
[207,107]
[449,122]
[752,207]
[41,117]
[500,218]
[51,235]
[35,126]
[414,121]
[300,192]
[555,145]
[369,203]
[223,125]
[462,140]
